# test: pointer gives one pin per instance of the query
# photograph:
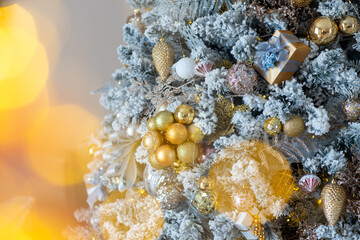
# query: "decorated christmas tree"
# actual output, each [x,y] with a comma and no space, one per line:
[230,120]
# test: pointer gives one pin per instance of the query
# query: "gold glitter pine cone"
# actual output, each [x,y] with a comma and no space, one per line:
[333,197]
[163,55]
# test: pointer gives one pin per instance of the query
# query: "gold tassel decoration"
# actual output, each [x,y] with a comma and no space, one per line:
[333,197]
[163,55]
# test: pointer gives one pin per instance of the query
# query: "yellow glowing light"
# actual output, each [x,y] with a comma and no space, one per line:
[23,88]
[319,201]
[16,16]
[14,123]
[57,146]
[17,48]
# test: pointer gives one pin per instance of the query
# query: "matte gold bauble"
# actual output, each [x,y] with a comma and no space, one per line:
[205,202]
[348,25]
[165,155]
[323,31]
[205,184]
[176,133]
[333,197]
[195,134]
[163,55]
[187,152]
[163,120]
[301,3]
[154,163]
[179,166]
[294,127]
[272,126]
[184,114]
[152,140]
[151,124]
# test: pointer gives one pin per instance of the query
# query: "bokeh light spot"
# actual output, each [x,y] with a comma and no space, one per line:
[25,87]
[57,143]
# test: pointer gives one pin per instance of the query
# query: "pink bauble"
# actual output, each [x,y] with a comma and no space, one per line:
[309,183]
[241,78]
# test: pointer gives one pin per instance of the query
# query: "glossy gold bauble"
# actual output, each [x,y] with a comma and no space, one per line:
[187,152]
[205,202]
[152,140]
[154,163]
[163,120]
[348,25]
[184,114]
[179,166]
[195,134]
[205,184]
[323,31]
[163,55]
[151,124]
[272,126]
[176,133]
[294,127]
[333,198]
[165,155]
[301,3]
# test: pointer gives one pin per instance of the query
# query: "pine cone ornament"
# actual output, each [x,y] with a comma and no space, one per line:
[163,55]
[333,197]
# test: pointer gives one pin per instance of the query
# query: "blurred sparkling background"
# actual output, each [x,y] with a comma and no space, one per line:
[52,54]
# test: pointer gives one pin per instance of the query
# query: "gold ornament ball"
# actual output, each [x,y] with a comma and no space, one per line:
[348,25]
[323,31]
[187,152]
[333,198]
[301,3]
[205,202]
[272,126]
[153,161]
[195,134]
[151,124]
[179,166]
[184,114]
[165,155]
[163,120]
[205,184]
[176,133]
[152,140]
[294,127]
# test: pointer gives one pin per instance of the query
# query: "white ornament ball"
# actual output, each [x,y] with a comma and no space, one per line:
[185,68]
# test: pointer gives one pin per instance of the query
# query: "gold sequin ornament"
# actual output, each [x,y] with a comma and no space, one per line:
[176,133]
[163,120]
[163,55]
[205,184]
[151,124]
[205,202]
[153,161]
[348,25]
[323,30]
[195,134]
[187,152]
[294,127]
[184,114]
[259,229]
[333,198]
[152,140]
[273,126]
[301,3]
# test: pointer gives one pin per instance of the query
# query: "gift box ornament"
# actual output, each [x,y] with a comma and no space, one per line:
[250,224]
[278,59]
